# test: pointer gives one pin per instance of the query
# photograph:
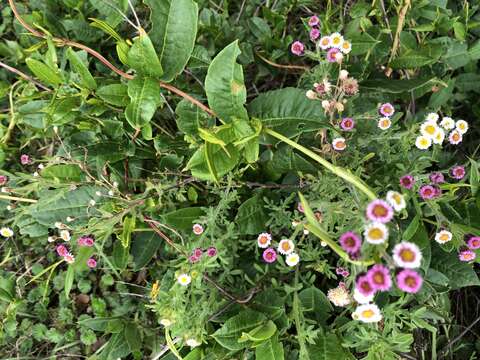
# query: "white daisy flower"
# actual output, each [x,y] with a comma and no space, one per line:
[367,313]
[184,279]
[325,42]
[375,233]
[286,246]
[292,259]
[339,144]
[384,123]
[429,129]
[337,40]
[362,299]
[443,236]
[396,200]
[407,255]
[65,235]
[433,117]
[447,123]
[455,137]
[264,240]
[462,126]
[439,136]
[323,244]
[6,232]
[346,47]
[423,142]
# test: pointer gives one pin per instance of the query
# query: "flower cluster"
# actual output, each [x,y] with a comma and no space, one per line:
[197,254]
[433,133]
[473,243]
[285,247]
[83,241]
[386,110]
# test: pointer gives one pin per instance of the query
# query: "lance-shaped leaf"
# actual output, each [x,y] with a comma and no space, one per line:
[81,69]
[145,98]
[143,58]
[44,72]
[224,85]
[174,29]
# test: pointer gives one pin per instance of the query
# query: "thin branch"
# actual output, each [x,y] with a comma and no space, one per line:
[153,224]
[280,66]
[24,76]
[134,13]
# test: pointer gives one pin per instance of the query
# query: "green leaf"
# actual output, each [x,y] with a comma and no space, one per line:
[5,295]
[79,67]
[120,255]
[44,72]
[145,98]
[441,97]
[115,94]
[63,172]
[190,118]
[143,58]
[63,111]
[224,85]
[421,239]
[260,333]
[144,247]
[457,55]
[362,43]
[288,111]
[415,58]
[251,217]
[396,86]
[128,228]
[183,219]
[460,274]
[69,277]
[271,349]
[474,177]
[97,324]
[133,337]
[411,228]
[174,30]
[223,163]
[232,329]
[328,347]
[315,303]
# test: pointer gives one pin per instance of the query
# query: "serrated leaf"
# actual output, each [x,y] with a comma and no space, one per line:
[174,30]
[225,86]
[145,97]
[79,67]
[143,58]
[44,72]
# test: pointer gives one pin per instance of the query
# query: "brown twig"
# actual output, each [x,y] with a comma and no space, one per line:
[230,296]
[24,76]
[155,228]
[280,66]
[66,42]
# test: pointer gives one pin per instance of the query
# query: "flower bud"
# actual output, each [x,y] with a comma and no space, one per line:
[343,74]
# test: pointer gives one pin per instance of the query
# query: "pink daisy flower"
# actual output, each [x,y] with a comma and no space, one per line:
[297,48]
[69,258]
[85,241]
[379,277]
[409,281]
[264,240]
[474,243]
[437,178]
[364,286]
[455,137]
[313,21]
[197,252]
[197,229]
[427,192]
[347,124]
[3,180]
[379,211]
[62,250]
[269,255]
[457,172]
[407,255]
[192,259]
[91,263]
[314,34]
[467,255]
[407,182]
[386,109]
[212,251]
[25,159]
[332,55]
[350,242]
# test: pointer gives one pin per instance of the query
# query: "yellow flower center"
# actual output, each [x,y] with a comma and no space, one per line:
[423,142]
[375,234]
[397,198]
[407,255]
[444,237]
[430,129]
[285,246]
[336,40]
[367,314]
[263,239]
[379,210]
[455,136]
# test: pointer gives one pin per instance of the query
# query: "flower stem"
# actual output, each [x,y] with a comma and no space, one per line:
[341,172]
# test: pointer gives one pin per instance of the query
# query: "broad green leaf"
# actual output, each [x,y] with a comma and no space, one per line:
[69,277]
[468,82]
[415,58]
[62,172]
[271,349]
[441,97]
[5,295]
[183,219]
[260,333]
[97,324]
[79,67]
[128,227]
[144,247]
[189,118]
[224,85]
[223,163]
[44,72]
[288,111]
[108,10]
[362,43]
[143,58]
[115,94]
[460,274]
[396,86]
[251,217]
[116,347]
[316,304]
[174,30]
[232,329]
[132,336]
[120,255]
[328,347]
[457,55]
[63,111]
[145,98]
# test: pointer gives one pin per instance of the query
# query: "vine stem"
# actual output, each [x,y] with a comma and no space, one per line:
[24,76]
[14,198]
[103,60]
[340,172]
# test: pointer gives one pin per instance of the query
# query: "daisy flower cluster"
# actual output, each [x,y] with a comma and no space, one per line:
[197,254]
[386,110]
[83,241]
[284,247]
[431,132]
[467,252]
